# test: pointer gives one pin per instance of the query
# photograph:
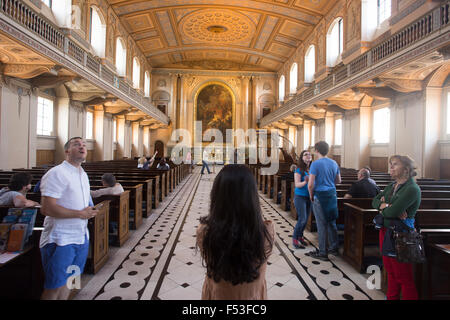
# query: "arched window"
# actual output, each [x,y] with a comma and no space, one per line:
[281,89]
[62,10]
[98,32]
[335,42]
[310,64]
[147,84]
[293,78]
[121,57]
[383,10]
[136,73]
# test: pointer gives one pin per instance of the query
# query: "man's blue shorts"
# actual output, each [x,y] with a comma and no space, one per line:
[56,261]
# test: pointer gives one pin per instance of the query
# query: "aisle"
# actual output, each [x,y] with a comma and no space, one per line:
[160,261]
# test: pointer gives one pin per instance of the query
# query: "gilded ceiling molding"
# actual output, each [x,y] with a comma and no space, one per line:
[268,8]
[222,73]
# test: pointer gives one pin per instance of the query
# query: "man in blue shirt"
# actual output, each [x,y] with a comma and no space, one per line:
[324,175]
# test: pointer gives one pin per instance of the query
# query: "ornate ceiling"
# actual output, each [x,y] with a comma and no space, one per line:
[222,34]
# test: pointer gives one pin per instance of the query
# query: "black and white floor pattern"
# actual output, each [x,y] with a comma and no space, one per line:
[160,261]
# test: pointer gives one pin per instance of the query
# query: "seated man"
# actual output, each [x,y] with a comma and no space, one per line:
[162,165]
[112,187]
[15,193]
[363,188]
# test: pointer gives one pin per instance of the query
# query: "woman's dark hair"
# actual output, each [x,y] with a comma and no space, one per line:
[19,180]
[302,165]
[234,243]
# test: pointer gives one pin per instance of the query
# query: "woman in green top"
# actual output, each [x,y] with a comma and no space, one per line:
[400,199]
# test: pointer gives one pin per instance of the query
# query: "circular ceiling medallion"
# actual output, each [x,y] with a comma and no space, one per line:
[217,26]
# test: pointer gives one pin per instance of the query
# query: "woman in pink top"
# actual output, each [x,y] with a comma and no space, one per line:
[234,241]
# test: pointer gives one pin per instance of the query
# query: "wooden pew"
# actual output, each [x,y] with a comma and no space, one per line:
[119,214]
[359,230]
[98,238]
[135,202]
[432,277]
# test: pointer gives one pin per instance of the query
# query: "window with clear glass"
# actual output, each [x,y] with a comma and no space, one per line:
[334,42]
[89,125]
[338,132]
[136,73]
[384,10]
[147,84]
[281,89]
[313,135]
[448,112]
[114,130]
[310,64]
[121,57]
[293,78]
[48,3]
[98,33]
[44,117]
[381,125]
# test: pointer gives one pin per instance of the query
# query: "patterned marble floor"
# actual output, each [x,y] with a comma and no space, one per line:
[160,262]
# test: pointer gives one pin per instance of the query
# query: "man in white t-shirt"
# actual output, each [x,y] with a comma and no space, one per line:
[64,241]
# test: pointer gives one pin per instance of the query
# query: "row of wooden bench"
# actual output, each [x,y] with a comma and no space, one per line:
[432,219]
[144,189]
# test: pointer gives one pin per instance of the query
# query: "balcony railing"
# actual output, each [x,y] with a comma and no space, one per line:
[22,14]
[431,22]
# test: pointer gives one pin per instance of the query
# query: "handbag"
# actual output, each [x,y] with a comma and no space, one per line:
[409,247]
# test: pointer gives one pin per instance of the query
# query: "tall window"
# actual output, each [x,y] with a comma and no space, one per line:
[310,64]
[98,33]
[313,135]
[121,57]
[381,126]
[44,117]
[293,78]
[338,132]
[136,73]
[448,112]
[147,84]
[89,125]
[281,89]
[48,3]
[334,42]
[384,10]
[114,130]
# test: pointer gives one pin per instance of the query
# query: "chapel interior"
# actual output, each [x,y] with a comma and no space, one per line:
[369,77]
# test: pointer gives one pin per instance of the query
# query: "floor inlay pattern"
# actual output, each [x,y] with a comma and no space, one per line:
[163,263]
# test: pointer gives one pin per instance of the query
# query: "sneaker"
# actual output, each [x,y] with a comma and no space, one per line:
[316,255]
[335,252]
[296,244]
[302,241]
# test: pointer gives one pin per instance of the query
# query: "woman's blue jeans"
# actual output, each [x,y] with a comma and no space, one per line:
[303,207]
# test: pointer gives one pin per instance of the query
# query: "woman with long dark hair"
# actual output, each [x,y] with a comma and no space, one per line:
[234,241]
[302,201]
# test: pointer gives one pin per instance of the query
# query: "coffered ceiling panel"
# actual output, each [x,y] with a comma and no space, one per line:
[255,34]
[139,23]
[150,45]
[295,30]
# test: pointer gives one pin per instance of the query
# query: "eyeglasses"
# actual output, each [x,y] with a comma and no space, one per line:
[306,154]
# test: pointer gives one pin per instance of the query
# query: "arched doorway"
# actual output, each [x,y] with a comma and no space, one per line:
[159,146]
